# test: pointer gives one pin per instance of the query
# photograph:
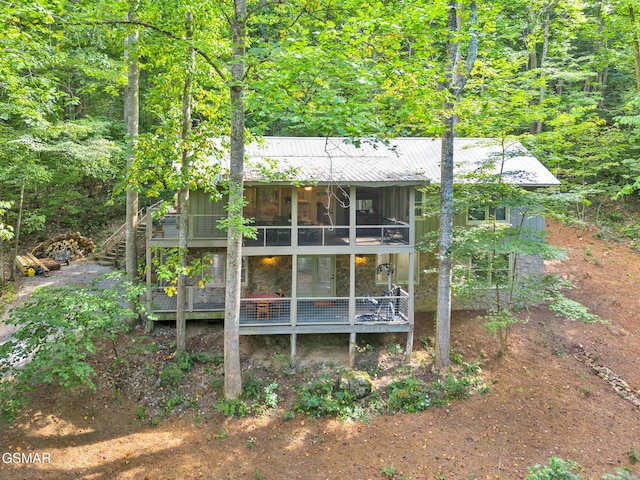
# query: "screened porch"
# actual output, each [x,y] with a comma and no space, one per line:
[271,310]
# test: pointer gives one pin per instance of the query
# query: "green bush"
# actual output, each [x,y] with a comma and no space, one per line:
[556,469]
[409,395]
[171,375]
[57,330]
[232,408]
[316,399]
[559,469]
[414,395]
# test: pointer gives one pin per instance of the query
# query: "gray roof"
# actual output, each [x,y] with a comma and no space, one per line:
[399,161]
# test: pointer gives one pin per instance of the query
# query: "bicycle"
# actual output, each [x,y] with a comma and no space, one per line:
[385,311]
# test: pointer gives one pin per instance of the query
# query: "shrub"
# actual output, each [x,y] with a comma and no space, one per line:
[409,395]
[556,469]
[57,330]
[316,399]
[231,408]
[171,375]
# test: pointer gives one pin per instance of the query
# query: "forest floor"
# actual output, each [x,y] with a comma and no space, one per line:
[544,400]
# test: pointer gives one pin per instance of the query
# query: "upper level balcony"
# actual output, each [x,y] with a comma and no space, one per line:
[317,216]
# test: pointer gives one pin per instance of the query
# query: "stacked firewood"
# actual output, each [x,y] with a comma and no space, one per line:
[68,244]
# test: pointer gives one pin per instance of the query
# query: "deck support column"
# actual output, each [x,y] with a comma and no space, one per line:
[352,349]
[411,306]
[294,349]
[148,325]
[409,348]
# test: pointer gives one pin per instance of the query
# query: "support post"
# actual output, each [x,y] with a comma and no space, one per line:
[148,324]
[411,313]
[294,349]
[352,349]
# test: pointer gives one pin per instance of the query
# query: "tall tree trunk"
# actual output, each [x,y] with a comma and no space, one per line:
[232,374]
[458,74]
[2,279]
[636,45]
[443,319]
[543,58]
[183,196]
[132,115]
[18,227]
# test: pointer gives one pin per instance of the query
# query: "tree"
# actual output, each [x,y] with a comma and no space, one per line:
[132,118]
[459,68]
[6,234]
[232,373]
[183,194]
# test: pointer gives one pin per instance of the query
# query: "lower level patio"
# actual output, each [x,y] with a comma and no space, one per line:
[270,314]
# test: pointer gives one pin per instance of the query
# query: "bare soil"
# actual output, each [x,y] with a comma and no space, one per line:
[544,401]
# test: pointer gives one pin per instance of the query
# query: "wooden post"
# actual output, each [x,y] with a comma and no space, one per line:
[148,326]
[352,349]
[294,353]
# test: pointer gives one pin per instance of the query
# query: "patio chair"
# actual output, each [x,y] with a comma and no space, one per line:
[262,310]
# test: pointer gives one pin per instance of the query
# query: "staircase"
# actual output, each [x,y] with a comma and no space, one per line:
[114,254]
[113,249]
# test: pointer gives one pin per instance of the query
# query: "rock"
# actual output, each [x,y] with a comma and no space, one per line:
[357,383]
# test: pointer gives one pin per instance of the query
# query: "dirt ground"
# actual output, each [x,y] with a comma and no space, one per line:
[543,402]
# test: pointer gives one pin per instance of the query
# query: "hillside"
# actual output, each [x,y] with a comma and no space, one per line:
[545,400]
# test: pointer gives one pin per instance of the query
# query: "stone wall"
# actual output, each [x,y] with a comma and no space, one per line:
[269,274]
[427,288]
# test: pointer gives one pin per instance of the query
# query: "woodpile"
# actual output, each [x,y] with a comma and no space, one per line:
[30,265]
[65,245]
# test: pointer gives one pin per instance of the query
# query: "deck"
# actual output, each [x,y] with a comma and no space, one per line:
[391,233]
[272,314]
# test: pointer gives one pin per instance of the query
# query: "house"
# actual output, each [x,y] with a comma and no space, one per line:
[335,254]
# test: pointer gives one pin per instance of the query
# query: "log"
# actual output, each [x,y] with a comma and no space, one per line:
[50,263]
[37,263]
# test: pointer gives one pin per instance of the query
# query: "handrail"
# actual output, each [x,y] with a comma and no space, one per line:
[116,236]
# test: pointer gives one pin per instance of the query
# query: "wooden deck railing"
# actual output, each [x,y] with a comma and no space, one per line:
[120,232]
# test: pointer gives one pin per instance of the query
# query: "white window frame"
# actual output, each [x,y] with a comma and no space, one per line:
[396,279]
[489,215]
[222,282]
[490,273]
[418,207]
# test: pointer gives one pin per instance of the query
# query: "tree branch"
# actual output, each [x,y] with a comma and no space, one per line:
[166,33]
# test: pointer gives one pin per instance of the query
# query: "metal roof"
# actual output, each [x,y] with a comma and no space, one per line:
[398,161]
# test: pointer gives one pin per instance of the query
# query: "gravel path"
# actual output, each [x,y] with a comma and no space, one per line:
[78,272]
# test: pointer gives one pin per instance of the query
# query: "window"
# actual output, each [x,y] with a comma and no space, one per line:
[491,270]
[399,263]
[215,266]
[487,214]
[316,276]
[419,205]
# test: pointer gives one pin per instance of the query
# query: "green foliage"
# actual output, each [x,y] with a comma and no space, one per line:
[184,361]
[57,330]
[414,395]
[270,396]
[410,395]
[316,399]
[7,294]
[6,231]
[232,408]
[556,469]
[560,469]
[171,375]
[621,474]
[572,310]
[388,471]
[168,266]
[633,454]
[496,323]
